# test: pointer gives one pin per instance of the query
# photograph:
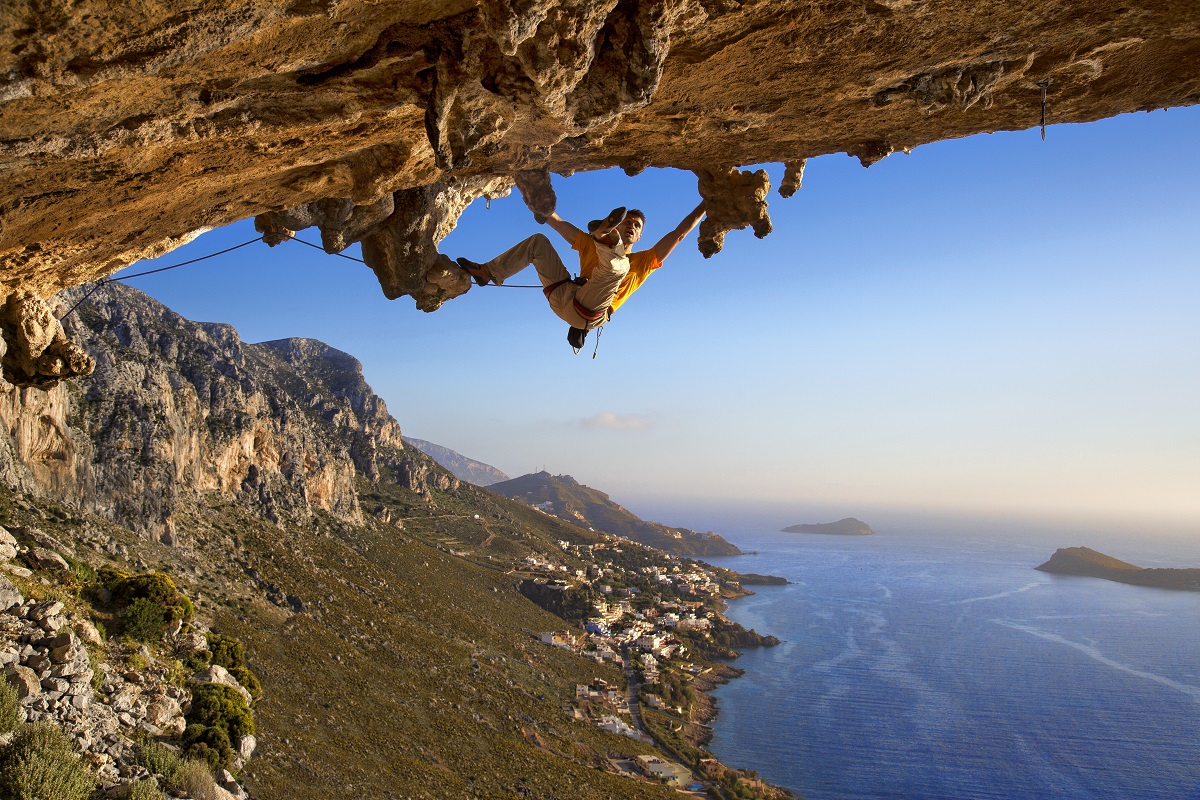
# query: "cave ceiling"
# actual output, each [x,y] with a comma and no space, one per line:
[128,128]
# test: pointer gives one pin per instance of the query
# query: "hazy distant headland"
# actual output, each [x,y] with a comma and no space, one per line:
[1090,563]
[843,527]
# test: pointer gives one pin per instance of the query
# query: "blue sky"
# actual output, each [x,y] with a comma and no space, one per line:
[990,325]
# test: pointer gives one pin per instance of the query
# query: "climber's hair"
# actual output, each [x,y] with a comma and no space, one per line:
[637,212]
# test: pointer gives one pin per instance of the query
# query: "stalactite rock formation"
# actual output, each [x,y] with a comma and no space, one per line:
[126,129]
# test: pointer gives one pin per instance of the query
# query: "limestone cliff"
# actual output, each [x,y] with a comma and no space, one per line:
[178,409]
[126,129]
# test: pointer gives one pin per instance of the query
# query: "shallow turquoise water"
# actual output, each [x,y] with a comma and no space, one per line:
[941,665]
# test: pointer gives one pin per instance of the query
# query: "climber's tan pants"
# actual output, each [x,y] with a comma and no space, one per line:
[595,295]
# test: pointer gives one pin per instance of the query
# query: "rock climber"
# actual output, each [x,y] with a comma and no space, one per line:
[608,273]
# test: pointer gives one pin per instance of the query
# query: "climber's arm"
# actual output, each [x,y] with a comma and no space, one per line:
[671,240]
[564,228]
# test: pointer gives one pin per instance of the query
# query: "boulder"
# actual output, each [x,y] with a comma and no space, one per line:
[166,714]
[191,643]
[246,747]
[38,662]
[26,681]
[88,633]
[8,545]
[10,596]
[61,647]
[41,558]
[50,608]
[218,674]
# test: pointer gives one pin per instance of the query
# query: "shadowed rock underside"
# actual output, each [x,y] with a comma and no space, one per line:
[126,131]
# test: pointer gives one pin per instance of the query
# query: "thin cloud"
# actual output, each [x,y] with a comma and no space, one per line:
[607,420]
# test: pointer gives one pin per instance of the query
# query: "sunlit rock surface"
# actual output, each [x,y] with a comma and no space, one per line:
[126,129]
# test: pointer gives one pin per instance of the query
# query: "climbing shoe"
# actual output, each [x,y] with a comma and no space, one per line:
[599,227]
[575,337]
[472,267]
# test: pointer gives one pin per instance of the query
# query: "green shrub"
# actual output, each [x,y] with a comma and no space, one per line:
[219,716]
[226,651]
[158,760]
[145,790]
[156,587]
[145,620]
[247,679]
[197,661]
[111,578]
[81,571]
[40,764]
[208,744]
[216,705]
[10,709]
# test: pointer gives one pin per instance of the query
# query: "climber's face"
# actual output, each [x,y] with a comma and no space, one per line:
[631,229]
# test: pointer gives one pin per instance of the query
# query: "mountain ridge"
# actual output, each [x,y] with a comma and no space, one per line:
[463,467]
[569,499]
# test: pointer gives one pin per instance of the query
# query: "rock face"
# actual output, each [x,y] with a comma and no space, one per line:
[178,409]
[129,129]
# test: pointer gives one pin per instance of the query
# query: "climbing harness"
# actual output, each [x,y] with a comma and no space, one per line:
[1043,84]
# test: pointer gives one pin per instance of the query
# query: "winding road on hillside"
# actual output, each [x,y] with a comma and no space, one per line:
[631,699]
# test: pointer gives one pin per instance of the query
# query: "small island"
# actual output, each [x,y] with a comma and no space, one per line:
[754,579]
[1090,563]
[843,527]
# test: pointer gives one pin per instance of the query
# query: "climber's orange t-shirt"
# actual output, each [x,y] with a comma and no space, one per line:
[641,264]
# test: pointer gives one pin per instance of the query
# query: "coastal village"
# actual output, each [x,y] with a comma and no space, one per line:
[663,623]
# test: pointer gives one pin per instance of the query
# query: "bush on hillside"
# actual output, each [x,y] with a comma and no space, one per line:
[208,744]
[158,760]
[230,653]
[247,679]
[10,708]
[226,651]
[195,779]
[41,764]
[153,586]
[145,790]
[218,717]
[220,706]
[145,620]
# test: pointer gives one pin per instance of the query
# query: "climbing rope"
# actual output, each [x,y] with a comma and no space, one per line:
[100,283]
[1043,84]
[104,281]
[359,260]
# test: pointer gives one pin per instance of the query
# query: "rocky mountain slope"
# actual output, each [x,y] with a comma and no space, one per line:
[566,498]
[1091,563]
[376,597]
[463,468]
[129,128]
[177,408]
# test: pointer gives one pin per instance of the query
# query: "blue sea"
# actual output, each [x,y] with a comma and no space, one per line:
[925,664]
